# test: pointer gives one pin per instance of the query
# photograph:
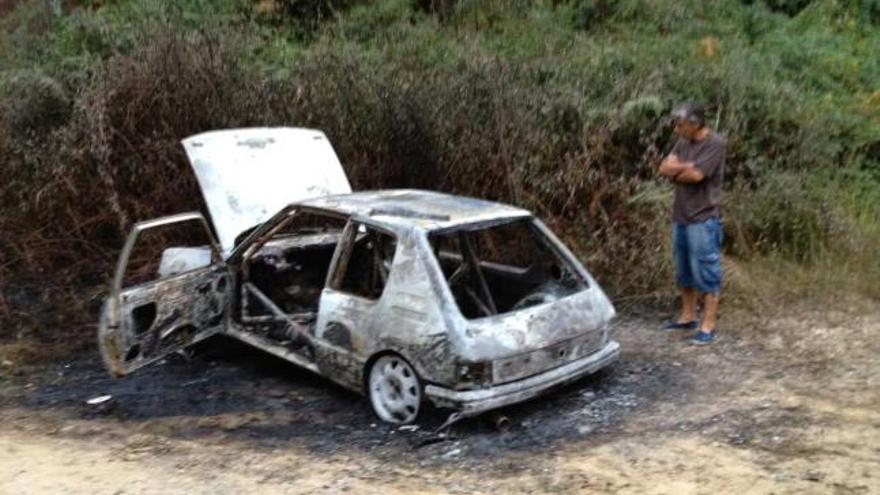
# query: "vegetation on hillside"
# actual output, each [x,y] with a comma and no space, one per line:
[558,106]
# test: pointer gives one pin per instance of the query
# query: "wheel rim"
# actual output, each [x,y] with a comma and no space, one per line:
[394,390]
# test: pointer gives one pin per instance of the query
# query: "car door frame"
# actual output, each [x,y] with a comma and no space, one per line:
[121,343]
[241,329]
[256,240]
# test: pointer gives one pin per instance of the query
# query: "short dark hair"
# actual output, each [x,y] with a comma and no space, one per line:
[690,111]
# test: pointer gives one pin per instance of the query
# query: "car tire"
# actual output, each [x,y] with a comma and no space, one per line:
[394,389]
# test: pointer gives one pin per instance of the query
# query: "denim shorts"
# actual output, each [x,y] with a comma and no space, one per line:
[697,249]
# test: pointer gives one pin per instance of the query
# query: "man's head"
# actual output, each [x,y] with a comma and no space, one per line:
[689,120]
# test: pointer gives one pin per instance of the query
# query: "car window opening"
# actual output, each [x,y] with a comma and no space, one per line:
[502,268]
[368,267]
[168,251]
[283,280]
[289,271]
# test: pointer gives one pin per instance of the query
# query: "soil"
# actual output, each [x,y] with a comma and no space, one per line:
[788,405]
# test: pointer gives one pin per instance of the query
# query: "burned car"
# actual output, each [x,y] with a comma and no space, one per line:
[406,296]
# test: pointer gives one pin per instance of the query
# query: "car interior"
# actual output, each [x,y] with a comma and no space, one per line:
[284,278]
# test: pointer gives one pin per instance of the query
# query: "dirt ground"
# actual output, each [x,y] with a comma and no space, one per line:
[787,405]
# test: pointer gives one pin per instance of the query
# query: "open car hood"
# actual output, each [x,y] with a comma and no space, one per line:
[247,175]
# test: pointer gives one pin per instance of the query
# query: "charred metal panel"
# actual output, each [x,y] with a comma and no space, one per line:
[407,208]
[536,327]
[159,317]
[338,335]
[344,363]
[531,363]
[142,323]
[471,402]
[406,320]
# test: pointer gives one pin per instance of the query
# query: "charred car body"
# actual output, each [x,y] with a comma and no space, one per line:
[404,295]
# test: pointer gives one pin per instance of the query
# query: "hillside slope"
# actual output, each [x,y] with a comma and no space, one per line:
[557,106]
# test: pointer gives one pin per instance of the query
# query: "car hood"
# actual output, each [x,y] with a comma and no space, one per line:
[247,175]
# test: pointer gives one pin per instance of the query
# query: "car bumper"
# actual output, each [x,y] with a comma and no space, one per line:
[473,402]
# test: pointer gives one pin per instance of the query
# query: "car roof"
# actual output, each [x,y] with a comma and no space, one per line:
[404,208]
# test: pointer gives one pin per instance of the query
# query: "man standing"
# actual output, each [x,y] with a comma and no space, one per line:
[696,167]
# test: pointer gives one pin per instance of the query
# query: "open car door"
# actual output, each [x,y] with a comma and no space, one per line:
[169,308]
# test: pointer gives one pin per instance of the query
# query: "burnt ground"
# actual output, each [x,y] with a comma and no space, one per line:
[781,410]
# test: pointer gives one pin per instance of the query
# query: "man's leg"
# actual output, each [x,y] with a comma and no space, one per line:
[688,305]
[705,251]
[683,275]
[710,312]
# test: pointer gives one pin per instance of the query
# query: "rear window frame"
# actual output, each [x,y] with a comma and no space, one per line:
[539,230]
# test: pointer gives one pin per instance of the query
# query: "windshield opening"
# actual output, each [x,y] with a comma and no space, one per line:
[502,268]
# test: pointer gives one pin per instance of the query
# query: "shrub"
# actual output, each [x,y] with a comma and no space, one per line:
[33,103]
[785,215]
[590,13]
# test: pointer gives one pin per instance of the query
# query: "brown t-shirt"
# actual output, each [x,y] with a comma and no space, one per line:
[700,201]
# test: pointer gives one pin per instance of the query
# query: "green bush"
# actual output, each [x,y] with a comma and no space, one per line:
[787,215]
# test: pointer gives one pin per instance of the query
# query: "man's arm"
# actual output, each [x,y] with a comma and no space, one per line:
[672,166]
[669,166]
[705,164]
[680,171]
[690,174]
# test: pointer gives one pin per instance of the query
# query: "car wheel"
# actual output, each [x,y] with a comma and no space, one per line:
[394,389]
